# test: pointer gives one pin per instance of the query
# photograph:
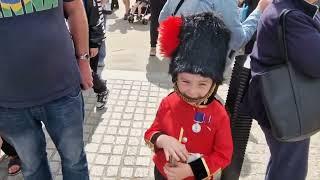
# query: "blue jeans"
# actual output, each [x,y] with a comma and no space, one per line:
[63,119]
[288,160]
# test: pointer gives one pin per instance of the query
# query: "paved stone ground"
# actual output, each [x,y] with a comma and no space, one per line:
[114,137]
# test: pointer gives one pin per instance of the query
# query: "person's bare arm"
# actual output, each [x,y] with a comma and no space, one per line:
[78,25]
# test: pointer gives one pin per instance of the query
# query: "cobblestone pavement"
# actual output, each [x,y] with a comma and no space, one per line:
[114,136]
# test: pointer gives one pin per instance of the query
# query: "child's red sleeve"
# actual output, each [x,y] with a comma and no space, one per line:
[155,130]
[221,155]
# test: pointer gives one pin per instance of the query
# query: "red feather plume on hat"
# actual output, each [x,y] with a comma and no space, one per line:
[169,31]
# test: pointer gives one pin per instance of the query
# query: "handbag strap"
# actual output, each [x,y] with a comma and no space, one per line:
[284,50]
[282,34]
[178,7]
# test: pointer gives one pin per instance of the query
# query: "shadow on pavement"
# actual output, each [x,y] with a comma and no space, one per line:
[93,117]
[157,72]
[112,16]
[124,26]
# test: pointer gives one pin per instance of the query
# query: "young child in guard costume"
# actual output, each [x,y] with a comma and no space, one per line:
[191,134]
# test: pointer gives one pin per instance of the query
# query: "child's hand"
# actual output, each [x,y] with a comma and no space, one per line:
[181,171]
[173,147]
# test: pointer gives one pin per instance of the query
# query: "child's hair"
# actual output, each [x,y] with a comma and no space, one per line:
[203,41]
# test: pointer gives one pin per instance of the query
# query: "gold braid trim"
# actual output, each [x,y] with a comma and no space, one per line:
[149,143]
[181,134]
[203,100]
[206,166]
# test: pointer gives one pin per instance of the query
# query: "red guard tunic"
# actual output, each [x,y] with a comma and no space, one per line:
[175,118]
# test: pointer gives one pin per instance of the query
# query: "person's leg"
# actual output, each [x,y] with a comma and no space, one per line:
[127,8]
[288,160]
[64,123]
[102,50]
[99,85]
[142,5]
[140,9]
[106,7]
[134,8]
[155,8]
[102,54]
[22,128]
[154,22]
[94,63]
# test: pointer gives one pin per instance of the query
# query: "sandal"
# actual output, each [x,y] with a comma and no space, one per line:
[14,161]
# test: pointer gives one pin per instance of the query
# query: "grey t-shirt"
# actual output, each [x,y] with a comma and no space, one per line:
[37,57]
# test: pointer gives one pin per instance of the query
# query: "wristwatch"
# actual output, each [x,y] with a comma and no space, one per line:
[84,57]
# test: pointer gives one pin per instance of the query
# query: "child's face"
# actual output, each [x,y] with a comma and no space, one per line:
[193,86]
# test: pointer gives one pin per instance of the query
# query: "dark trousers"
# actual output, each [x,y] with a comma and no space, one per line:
[288,160]
[155,7]
[94,63]
[8,149]
[99,85]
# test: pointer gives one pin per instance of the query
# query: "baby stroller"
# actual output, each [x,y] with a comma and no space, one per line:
[140,10]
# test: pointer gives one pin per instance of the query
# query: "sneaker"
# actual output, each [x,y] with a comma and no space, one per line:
[153,51]
[106,12]
[102,100]
[125,17]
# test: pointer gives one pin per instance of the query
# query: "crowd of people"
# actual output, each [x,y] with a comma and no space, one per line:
[61,46]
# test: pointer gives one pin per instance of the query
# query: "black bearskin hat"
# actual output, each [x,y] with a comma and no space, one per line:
[196,44]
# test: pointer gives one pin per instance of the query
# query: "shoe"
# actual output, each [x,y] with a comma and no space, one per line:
[100,88]
[106,12]
[14,161]
[153,51]
[102,99]
[125,17]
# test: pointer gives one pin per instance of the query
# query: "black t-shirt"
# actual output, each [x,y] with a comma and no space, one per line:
[37,57]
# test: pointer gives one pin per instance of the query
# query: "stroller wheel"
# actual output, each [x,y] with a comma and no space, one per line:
[145,21]
[131,19]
